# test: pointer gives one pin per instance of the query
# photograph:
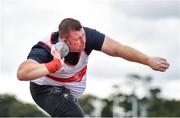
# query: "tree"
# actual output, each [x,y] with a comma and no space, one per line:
[139,107]
[86,103]
[159,107]
[119,103]
[10,106]
[107,110]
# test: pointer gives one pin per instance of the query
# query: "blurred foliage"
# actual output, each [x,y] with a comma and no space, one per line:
[157,107]
[11,107]
[107,110]
[86,103]
[152,105]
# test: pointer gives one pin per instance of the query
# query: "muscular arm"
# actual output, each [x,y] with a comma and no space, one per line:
[114,48]
[30,70]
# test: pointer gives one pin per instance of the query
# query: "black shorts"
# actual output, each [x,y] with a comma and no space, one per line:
[56,100]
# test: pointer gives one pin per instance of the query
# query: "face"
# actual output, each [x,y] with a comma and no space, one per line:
[76,40]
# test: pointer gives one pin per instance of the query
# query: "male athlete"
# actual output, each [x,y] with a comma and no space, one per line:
[56,80]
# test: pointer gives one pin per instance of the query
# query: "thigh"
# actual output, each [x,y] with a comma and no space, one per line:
[47,97]
[56,101]
[69,107]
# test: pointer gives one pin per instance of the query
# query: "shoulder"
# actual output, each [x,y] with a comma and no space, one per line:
[40,53]
[90,30]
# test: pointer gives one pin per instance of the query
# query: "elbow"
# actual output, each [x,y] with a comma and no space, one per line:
[21,76]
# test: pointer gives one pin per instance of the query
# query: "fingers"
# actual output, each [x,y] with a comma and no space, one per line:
[56,54]
[163,65]
[59,50]
[56,51]
[164,61]
[162,69]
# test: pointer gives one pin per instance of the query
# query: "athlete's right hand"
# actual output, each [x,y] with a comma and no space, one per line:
[56,63]
[56,53]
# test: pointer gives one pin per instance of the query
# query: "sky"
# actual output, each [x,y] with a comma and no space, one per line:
[152,27]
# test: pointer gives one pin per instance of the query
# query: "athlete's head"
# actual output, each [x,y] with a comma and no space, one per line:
[73,34]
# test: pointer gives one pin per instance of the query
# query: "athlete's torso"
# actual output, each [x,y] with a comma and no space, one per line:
[73,73]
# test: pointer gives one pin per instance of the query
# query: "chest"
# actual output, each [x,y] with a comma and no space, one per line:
[69,70]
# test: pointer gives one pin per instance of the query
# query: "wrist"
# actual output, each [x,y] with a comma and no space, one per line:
[147,60]
[54,65]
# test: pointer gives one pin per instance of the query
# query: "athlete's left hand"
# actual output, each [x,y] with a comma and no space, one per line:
[158,64]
